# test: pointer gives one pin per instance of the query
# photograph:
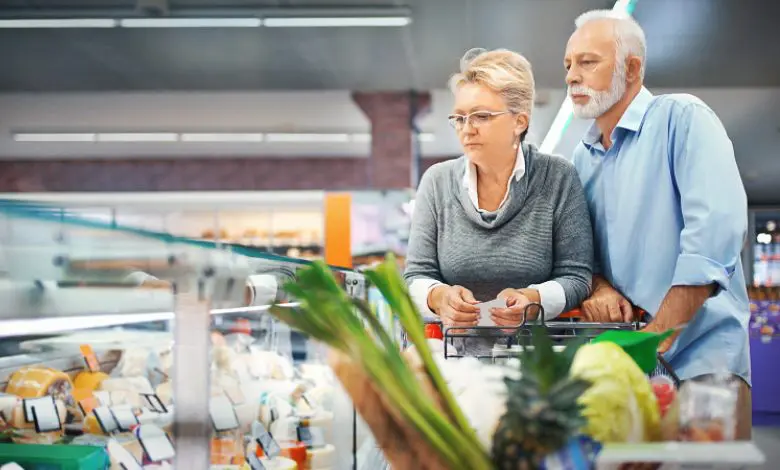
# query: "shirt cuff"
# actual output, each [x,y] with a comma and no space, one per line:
[552,297]
[697,270]
[419,290]
[262,289]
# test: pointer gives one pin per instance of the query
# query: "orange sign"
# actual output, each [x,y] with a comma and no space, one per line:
[90,359]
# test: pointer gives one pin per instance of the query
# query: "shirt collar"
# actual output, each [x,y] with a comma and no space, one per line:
[470,174]
[631,119]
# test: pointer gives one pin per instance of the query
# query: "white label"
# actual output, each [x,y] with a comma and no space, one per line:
[105,419]
[156,444]
[43,412]
[154,403]
[125,418]
[265,440]
[222,413]
[122,456]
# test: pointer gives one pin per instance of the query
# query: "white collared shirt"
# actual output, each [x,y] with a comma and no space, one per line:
[551,293]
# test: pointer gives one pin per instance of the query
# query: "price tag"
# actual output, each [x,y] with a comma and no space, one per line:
[254,461]
[105,419]
[122,456]
[265,440]
[235,395]
[43,412]
[155,443]
[90,359]
[125,418]
[154,403]
[222,413]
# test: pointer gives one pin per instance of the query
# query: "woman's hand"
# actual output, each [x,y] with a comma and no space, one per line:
[454,305]
[516,303]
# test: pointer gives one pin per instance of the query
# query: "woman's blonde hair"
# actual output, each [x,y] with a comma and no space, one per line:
[505,72]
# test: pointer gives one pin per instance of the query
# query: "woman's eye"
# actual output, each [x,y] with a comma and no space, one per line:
[480,117]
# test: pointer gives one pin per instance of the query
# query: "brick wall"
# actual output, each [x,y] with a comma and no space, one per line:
[223,174]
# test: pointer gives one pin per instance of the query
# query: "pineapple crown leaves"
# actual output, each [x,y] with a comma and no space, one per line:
[543,365]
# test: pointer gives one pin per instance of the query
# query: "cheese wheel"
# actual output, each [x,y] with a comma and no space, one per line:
[319,458]
[36,382]
[89,380]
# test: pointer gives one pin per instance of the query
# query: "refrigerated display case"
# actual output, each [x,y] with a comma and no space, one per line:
[141,348]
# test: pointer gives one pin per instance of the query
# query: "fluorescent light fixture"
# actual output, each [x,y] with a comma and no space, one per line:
[336,22]
[564,116]
[58,137]
[190,22]
[319,138]
[426,137]
[361,138]
[221,137]
[138,137]
[764,238]
[59,23]
[558,127]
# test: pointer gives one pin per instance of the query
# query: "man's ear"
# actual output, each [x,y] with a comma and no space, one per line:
[633,68]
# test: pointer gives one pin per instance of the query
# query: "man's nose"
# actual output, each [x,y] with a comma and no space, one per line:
[572,76]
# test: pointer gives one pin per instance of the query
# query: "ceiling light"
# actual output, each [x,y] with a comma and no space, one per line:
[426,137]
[319,138]
[190,22]
[764,238]
[362,138]
[336,22]
[138,137]
[59,23]
[221,137]
[60,137]
[771,225]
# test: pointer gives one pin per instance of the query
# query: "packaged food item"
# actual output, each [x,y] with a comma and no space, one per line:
[708,409]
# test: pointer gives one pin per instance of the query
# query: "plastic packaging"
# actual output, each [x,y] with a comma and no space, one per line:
[708,409]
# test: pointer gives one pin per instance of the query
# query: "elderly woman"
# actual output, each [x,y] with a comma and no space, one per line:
[504,220]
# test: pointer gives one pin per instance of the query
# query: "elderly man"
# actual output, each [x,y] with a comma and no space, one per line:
[668,207]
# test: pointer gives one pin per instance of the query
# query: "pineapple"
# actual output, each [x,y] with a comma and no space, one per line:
[542,411]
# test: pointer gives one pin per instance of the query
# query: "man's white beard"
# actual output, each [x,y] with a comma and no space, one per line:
[600,101]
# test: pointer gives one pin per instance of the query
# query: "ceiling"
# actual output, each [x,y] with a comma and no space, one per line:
[692,43]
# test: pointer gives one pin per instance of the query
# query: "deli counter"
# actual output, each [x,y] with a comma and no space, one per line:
[124,347]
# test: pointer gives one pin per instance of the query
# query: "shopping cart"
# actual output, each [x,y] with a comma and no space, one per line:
[510,341]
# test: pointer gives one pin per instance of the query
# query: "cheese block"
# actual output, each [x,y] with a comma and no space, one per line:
[35,382]
[126,390]
[279,463]
[320,458]
[285,429]
[323,420]
[89,380]
[165,392]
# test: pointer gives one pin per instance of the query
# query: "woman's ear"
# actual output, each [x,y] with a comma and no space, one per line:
[522,124]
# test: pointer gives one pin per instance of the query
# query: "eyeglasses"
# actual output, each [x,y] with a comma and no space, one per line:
[477,118]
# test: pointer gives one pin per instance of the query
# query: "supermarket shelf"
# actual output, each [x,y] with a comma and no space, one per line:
[32,310]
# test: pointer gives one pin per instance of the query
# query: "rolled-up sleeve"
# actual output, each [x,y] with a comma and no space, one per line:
[422,261]
[712,200]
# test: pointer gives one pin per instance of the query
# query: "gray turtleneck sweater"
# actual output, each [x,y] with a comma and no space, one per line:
[541,233]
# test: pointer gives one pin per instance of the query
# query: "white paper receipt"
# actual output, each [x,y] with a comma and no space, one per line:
[484,311]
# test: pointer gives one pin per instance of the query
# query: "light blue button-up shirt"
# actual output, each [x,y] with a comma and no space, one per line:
[669,209]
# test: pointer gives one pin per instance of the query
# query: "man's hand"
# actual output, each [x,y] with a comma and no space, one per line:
[454,305]
[516,303]
[607,305]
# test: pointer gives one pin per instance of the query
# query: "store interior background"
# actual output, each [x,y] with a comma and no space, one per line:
[245,134]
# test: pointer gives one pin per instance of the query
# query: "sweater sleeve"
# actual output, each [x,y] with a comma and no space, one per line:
[422,260]
[572,241]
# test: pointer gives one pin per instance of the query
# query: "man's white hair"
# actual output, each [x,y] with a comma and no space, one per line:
[629,36]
